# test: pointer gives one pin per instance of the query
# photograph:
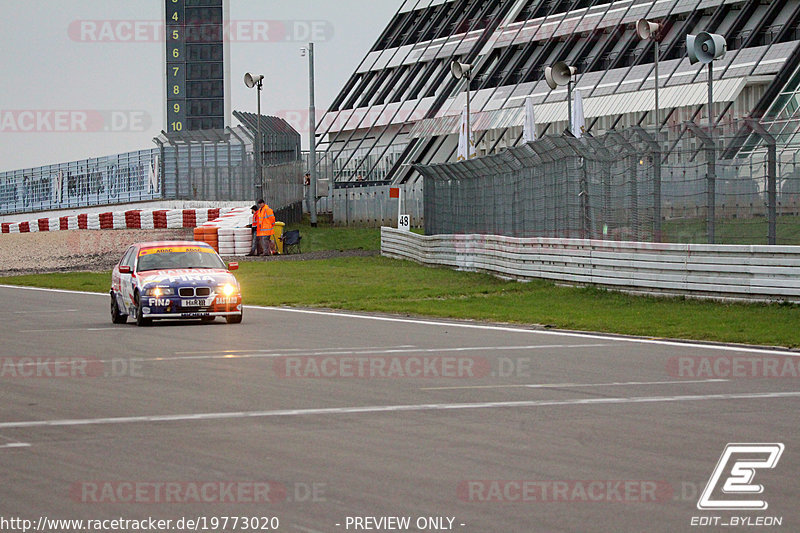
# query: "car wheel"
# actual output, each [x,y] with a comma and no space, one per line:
[140,319]
[116,316]
[234,319]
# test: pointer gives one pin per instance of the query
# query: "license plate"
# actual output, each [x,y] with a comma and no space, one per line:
[197,302]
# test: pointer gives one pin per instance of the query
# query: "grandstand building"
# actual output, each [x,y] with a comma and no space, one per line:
[401,106]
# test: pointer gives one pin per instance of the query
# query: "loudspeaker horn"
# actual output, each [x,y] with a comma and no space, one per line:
[251,81]
[646,29]
[558,74]
[705,47]
[459,70]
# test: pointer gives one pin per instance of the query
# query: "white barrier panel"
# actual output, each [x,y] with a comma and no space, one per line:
[175,219]
[756,272]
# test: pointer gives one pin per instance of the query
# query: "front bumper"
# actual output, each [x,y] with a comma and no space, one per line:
[174,306]
[192,314]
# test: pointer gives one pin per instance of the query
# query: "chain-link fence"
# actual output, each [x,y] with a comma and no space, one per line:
[121,178]
[739,188]
[210,165]
[282,188]
[555,187]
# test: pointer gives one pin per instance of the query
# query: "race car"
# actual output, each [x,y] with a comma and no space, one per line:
[174,280]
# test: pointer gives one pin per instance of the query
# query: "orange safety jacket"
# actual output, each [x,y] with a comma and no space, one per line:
[266,222]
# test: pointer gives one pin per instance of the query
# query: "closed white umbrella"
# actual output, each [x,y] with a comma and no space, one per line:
[578,121]
[529,126]
[466,141]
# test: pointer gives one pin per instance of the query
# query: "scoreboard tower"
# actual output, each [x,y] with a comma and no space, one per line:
[197,73]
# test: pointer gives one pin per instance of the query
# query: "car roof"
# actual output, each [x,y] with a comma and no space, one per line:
[163,244]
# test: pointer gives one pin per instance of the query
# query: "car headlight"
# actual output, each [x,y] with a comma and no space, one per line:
[228,289]
[159,291]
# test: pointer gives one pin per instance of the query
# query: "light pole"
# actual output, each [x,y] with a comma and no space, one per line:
[256,81]
[705,48]
[561,74]
[464,70]
[311,194]
[649,30]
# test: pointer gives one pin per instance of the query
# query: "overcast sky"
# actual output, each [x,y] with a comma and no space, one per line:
[57,77]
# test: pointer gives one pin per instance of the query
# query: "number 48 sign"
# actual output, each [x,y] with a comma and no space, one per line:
[403,220]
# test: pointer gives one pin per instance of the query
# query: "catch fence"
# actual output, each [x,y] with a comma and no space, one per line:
[626,185]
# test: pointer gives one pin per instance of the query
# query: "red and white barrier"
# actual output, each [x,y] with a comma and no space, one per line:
[133,219]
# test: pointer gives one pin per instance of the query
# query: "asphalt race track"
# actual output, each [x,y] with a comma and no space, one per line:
[337,421]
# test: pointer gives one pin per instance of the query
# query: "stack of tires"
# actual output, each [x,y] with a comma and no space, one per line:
[174,218]
[207,234]
[160,218]
[242,240]
[226,241]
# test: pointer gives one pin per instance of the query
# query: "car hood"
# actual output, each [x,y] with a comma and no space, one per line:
[179,277]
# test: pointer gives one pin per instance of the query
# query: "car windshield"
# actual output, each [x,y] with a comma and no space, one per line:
[177,257]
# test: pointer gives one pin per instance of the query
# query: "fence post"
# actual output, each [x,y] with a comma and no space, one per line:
[708,141]
[657,194]
[711,192]
[772,178]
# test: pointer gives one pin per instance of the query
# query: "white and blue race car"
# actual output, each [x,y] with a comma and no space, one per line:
[174,280]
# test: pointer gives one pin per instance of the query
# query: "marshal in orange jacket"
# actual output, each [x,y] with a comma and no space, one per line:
[266,222]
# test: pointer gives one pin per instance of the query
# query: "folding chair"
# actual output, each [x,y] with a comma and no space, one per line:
[291,242]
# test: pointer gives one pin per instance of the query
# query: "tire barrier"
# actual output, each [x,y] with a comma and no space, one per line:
[208,235]
[242,241]
[226,232]
[132,219]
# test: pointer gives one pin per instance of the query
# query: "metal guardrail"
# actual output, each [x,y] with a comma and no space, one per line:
[746,272]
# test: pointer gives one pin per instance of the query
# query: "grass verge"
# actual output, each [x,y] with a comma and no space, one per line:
[387,285]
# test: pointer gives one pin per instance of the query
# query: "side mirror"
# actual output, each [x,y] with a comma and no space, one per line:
[124,269]
[233,266]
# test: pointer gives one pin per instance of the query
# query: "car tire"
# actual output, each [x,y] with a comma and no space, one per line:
[116,316]
[234,319]
[141,321]
[208,319]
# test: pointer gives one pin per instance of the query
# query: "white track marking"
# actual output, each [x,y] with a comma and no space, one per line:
[575,385]
[15,445]
[486,327]
[221,352]
[65,291]
[345,352]
[512,329]
[39,312]
[387,409]
[67,329]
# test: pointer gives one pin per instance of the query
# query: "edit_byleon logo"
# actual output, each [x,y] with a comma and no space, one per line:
[739,462]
